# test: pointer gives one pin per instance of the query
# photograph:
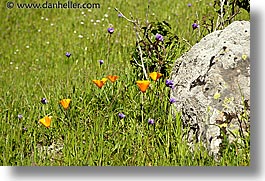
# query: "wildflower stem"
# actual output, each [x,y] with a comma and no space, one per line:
[142,109]
[106,96]
[220,16]
[108,48]
[134,22]
[42,90]
[142,61]
[137,62]
[138,40]
[199,31]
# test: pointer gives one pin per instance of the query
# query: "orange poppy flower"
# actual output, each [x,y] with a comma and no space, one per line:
[112,78]
[100,83]
[143,85]
[46,121]
[155,75]
[65,103]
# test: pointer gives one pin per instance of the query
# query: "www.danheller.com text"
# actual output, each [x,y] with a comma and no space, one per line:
[59,5]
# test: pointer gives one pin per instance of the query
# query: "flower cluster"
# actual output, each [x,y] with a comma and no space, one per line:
[101,83]
[143,85]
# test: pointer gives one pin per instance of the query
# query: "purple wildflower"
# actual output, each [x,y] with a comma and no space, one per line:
[195,25]
[151,121]
[44,101]
[68,54]
[189,5]
[110,30]
[20,116]
[101,62]
[170,83]
[159,37]
[172,100]
[121,115]
[120,15]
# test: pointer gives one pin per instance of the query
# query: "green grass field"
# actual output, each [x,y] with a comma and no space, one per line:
[90,132]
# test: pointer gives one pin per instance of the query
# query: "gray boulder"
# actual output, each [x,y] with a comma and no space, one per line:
[212,87]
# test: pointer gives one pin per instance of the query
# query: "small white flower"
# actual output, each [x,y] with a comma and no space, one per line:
[109,7]
[48,42]
[16,67]
[80,36]
[81,22]
[39,30]
[85,48]
[46,19]
[52,24]
[11,63]
[82,12]
[89,10]
[42,17]
[98,21]
[74,31]
[27,46]
[92,20]
[95,23]
[106,15]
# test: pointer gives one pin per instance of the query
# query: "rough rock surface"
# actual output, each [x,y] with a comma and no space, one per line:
[212,87]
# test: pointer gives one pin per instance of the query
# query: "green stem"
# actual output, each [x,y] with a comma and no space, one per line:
[106,95]
[142,109]
[108,48]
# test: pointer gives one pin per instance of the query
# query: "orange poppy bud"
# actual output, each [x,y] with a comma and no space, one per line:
[46,121]
[112,78]
[155,75]
[65,103]
[100,83]
[143,85]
